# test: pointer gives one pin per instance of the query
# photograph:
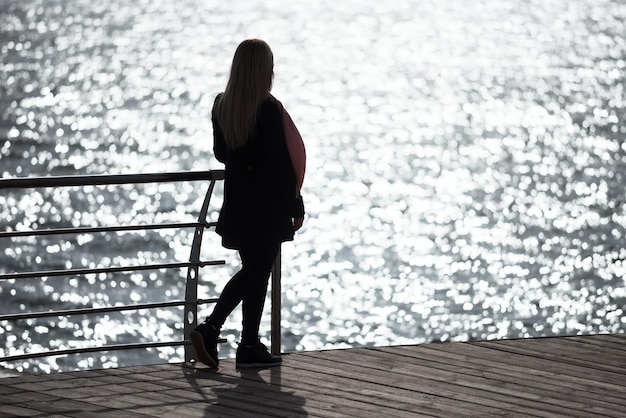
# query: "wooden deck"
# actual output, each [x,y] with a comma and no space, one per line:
[568,376]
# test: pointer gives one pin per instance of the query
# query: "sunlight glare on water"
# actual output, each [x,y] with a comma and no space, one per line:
[465,175]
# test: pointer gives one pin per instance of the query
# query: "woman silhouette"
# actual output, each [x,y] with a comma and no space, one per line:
[262,204]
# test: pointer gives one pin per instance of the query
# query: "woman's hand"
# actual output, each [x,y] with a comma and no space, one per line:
[297,223]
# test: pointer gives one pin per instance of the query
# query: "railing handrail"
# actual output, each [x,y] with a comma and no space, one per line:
[191,300]
[107,179]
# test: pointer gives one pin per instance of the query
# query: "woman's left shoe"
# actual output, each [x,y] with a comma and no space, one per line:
[204,339]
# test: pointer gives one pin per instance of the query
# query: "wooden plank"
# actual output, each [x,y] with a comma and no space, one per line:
[573,349]
[258,397]
[205,404]
[237,394]
[164,404]
[535,365]
[616,339]
[326,403]
[446,356]
[556,356]
[273,395]
[411,403]
[526,386]
[538,385]
[357,396]
[478,398]
[613,345]
[513,393]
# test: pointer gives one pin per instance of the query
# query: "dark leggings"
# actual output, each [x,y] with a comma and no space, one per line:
[250,286]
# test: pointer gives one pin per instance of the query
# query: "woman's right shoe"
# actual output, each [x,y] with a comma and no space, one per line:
[256,355]
[204,339]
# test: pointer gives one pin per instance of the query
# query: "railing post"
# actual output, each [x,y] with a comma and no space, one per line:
[193,275]
[276,306]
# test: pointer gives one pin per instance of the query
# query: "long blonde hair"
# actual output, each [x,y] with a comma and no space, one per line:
[250,82]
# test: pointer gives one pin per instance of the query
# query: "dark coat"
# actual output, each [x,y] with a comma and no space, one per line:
[260,185]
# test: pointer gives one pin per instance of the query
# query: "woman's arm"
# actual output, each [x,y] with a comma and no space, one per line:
[219,144]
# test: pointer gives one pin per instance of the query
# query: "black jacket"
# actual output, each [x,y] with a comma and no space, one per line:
[260,185]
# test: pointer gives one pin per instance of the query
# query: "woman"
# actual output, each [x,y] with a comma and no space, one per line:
[262,204]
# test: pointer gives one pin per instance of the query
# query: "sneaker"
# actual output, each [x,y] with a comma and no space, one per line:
[255,356]
[204,340]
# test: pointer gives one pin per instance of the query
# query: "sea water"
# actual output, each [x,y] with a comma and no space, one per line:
[466,167]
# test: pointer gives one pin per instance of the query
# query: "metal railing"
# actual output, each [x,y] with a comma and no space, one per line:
[191,300]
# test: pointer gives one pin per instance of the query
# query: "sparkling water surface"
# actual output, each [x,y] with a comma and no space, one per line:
[466,166]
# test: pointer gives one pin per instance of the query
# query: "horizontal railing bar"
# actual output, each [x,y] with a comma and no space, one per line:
[92,229]
[91,350]
[55,273]
[82,350]
[107,179]
[86,311]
